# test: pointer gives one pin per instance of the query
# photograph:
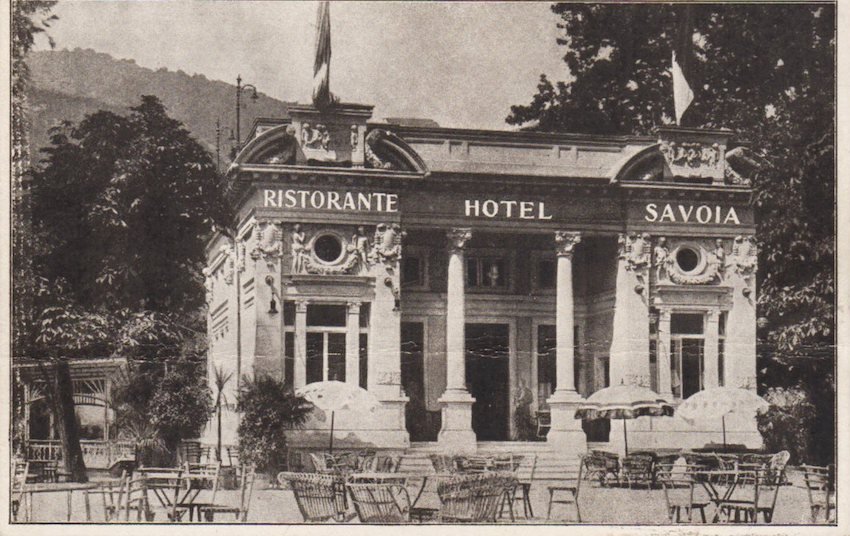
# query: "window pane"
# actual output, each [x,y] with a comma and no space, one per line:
[364,360]
[546,271]
[721,362]
[675,368]
[326,315]
[336,357]
[315,352]
[365,310]
[288,360]
[722,327]
[692,379]
[493,273]
[686,324]
[545,362]
[472,272]
[653,365]
[289,313]
[411,271]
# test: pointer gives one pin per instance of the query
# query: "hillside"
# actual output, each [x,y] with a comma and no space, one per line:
[67,84]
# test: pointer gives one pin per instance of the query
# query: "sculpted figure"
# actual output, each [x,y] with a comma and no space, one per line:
[719,254]
[662,257]
[298,250]
[360,246]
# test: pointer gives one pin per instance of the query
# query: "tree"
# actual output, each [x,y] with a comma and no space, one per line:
[767,72]
[220,381]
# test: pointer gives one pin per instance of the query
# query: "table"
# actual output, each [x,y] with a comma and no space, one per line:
[162,480]
[708,479]
[61,487]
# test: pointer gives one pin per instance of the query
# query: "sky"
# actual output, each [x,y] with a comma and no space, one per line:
[460,64]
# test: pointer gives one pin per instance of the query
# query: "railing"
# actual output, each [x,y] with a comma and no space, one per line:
[97,454]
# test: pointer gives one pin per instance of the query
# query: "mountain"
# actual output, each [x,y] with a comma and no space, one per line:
[68,84]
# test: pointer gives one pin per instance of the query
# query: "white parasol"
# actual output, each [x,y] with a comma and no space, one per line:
[335,396]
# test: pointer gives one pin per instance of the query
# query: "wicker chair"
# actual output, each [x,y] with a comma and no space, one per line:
[443,463]
[320,497]
[638,469]
[602,466]
[681,493]
[474,498]
[820,488]
[246,489]
[380,503]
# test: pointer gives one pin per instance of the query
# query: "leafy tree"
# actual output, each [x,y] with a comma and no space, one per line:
[220,381]
[767,72]
[268,410]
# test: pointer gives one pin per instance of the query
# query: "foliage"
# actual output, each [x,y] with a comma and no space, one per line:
[268,410]
[220,381]
[790,414]
[158,404]
[766,72]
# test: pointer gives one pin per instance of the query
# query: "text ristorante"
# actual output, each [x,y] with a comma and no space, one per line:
[331,200]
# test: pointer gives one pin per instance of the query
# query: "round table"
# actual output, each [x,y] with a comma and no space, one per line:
[60,487]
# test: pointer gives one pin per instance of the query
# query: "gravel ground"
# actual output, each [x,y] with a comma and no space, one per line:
[598,506]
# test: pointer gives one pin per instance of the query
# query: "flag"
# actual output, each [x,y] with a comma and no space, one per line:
[322,64]
[682,68]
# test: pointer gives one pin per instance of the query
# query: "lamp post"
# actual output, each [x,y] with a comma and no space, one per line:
[254,96]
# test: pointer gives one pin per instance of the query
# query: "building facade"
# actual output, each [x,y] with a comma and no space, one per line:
[472,279]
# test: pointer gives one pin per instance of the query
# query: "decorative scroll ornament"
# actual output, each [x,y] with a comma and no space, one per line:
[285,151]
[744,260]
[691,154]
[634,250]
[708,270]
[240,256]
[355,257]
[268,241]
[354,138]
[566,242]
[458,238]
[209,284]
[346,268]
[228,268]
[373,159]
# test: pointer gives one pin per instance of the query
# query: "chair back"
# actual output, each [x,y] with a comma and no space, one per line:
[678,485]
[320,497]
[320,463]
[474,498]
[134,497]
[206,475]
[443,463]
[819,489]
[776,465]
[246,490]
[560,468]
[525,470]
[414,464]
[20,472]
[599,463]
[380,502]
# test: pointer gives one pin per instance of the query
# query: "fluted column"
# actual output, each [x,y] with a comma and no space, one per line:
[665,384]
[456,432]
[299,377]
[352,344]
[566,429]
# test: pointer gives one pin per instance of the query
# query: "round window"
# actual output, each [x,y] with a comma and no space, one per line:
[687,259]
[328,248]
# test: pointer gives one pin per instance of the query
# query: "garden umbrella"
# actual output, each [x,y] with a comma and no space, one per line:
[719,402]
[623,402]
[335,396]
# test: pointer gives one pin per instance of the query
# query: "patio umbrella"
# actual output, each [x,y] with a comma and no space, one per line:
[335,396]
[719,402]
[623,402]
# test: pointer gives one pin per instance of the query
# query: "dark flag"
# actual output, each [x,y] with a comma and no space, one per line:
[322,65]
[683,63]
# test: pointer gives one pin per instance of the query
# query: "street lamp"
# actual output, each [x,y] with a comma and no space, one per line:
[254,96]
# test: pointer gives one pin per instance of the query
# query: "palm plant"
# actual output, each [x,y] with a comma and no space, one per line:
[220,381]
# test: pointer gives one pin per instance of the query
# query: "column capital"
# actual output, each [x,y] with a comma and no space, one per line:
[566,242]
[713,315]
[458,238]
[664,314]
[353,307]
[301,306]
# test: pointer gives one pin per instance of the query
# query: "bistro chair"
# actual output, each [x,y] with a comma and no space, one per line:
[681,492]
[380,502]
[524,474]
[134,498]
[110,494]
[755,495]
[820,488]
[638,469]
[246,490]
[198,477]
[20,471]
[563,474]
[602,466]
[474,498]
[320,497]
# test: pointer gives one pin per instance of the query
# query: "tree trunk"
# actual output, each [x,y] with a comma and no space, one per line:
[66,420]
[218,438]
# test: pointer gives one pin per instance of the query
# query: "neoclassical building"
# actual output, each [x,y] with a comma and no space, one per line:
[472,279]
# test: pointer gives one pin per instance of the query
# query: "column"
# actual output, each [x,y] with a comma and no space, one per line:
[352,344]
[456,432]
[710,354]
[665,385]
[299,377]
[566,430]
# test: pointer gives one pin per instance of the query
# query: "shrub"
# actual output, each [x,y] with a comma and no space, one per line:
[268,410]
[789,423]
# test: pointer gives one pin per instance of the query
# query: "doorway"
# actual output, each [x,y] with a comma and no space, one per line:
[488,379]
